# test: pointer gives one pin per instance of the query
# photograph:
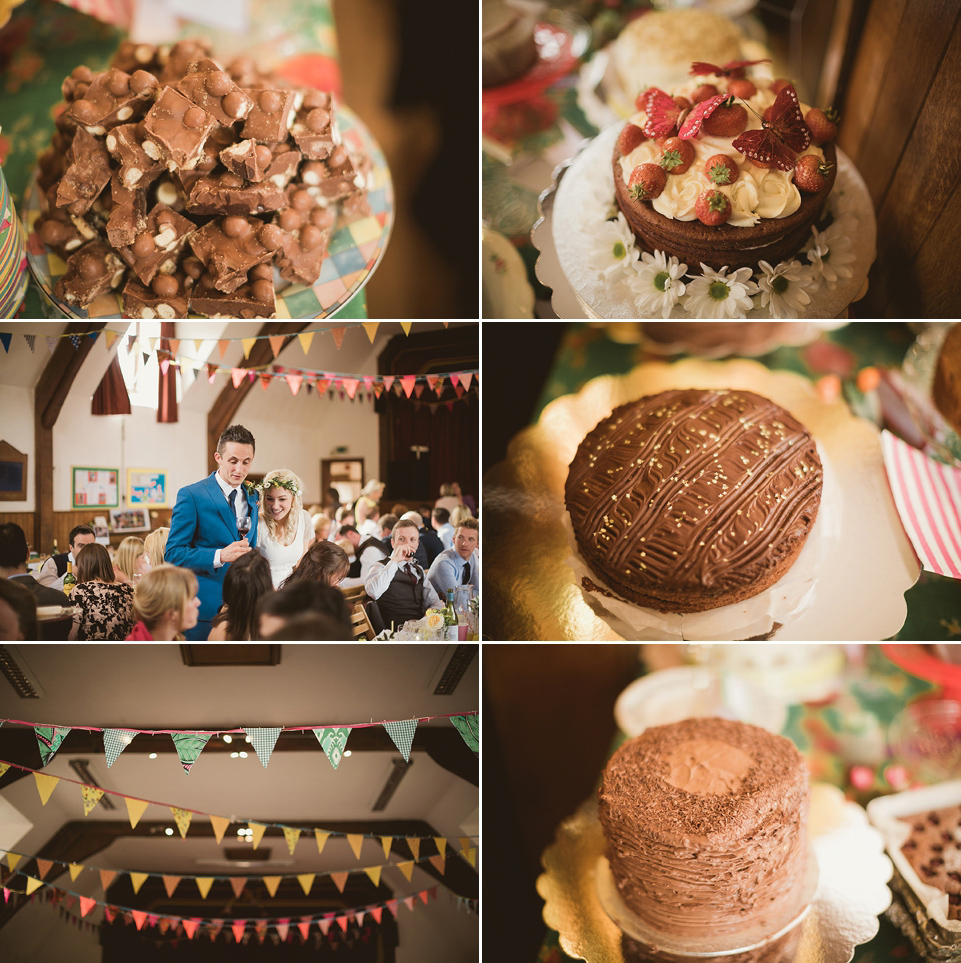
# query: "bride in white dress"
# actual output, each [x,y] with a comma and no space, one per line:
[286,530]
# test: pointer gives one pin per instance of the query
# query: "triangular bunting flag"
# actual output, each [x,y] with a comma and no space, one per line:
[222,347]
[45,785]
[263,741]
[306,881]
[406,326]
[75,341]
[371,328]
[305,338]
[291,835]
[374,873]
[91,796]
[324,925]
[135,809]
[49,739]
[248,343]
[203,884]
[423,896]
[237,929]
[304,929]
[414,843]
[407,867]
[52,344]
[282,928]
[170,884]
[190,927]
[376,912]
[386,841]
[321,837]
[86,905]
[342,923]
[260,928]
[334,741]
[13,859]
[164,365]
[408,382]
[340,880]
[265,380]
[276,343]
[338,336]
[257,831]
[469,728]
[137,880]
[111,337]
[402,732]
[472,856]
[189,746]
[441,843]
[4,766]
[350,384]
[438,862]
[114,743]
[214,928]
[465,842]
[433,381]
[174,345]
[107,876]
[31,339]
[237,884]
[408,901]
[237,375]
[75,869]
[182,818]
[33,885]
[356,840]
[294,381]
[392,906]
[220,824]
[43,867]
[465,379]
[272,882]
[110,913]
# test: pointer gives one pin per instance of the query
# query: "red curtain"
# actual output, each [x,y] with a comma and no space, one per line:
[167,390]
[111,396]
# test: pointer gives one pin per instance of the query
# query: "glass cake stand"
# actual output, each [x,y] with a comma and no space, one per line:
[851,892]
[564,247]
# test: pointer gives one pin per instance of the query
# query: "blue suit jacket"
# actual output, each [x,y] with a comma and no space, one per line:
[201,523]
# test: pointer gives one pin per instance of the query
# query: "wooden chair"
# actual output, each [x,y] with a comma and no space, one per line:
[354,594]
[361,623]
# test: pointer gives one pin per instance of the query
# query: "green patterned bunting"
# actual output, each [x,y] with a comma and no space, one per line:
[49,739]
[333,741]
[189,746]
[469,728]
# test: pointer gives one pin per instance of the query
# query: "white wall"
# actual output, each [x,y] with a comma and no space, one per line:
[16,428]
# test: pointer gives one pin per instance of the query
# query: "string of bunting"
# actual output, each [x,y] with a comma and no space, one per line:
[18,862]
[238,927]
[189,743]
[183,817]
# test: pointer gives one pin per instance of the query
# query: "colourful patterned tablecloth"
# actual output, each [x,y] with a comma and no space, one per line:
[45,40]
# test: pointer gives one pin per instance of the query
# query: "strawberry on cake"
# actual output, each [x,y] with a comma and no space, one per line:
[747,167]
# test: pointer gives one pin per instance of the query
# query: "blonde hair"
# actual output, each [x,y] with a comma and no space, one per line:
[163,588]
[284,530]
[459,514]
[321,521]
[372,486]
[128,551]
[155,545]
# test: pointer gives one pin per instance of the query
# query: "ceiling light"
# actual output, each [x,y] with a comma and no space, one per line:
[24,686]
[243,755]
[460,659]
[168,831]
[228,738]
[346,752]
[152,755]
[247,739]
[234,755]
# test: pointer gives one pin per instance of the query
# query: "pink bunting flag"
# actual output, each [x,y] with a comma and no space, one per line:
[238,929]
[304,930]
[408,382]
[350,384]
[86,905]
[282,927]
[376,912]
[139,917]
[190,927]
[237,375]
[433,381]
[294,381]
[392,906]
[338,336]
[388,381]
[342,923]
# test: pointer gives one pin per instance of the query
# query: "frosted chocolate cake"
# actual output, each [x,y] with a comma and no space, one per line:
[705,823]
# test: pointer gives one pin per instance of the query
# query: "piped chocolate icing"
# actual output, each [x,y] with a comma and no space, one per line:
[726,853]
[692,499]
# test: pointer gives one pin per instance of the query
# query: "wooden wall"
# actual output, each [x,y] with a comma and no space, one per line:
[64,522]
[901,126]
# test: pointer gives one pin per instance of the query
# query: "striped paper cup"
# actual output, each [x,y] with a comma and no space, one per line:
[13,255]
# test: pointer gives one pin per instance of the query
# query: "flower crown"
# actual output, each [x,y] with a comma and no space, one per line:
[289,484]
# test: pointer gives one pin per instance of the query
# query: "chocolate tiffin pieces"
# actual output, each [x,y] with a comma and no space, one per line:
[254,298]
[230,246]
[158,246]
[92,270]
[168,296]
[176,130]
[209,86]
[87,174]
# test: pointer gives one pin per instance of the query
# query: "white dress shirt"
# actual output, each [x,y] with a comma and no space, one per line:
[382,574]
[240,507]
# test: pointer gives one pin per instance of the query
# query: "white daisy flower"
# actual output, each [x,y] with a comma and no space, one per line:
[656,283]
[830,256]
[716,294]
[614,248]
[785,288]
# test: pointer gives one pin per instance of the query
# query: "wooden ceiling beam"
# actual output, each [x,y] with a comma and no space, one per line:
[229,400]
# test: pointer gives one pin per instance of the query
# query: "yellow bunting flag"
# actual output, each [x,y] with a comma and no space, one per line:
[45,785]
[374,873]
[33,885]
[272,882]
[4,766]
[472,856]
[137,880]
[43,867]
[13,859]
[91,796]
[170,884]
[340,880]
[371,328]
[220,824]
[107,876]
[276,343]
[386,841]
[406,868]
[441,843]
[203,884]
[257,832]
[111,337]
[306,880]
[291,835]
[305,340]
[321,839]
[414,843]
[406,326]
[75,869]
[464,844]
[182,818]
[356,840]
[135,809]
[248,343]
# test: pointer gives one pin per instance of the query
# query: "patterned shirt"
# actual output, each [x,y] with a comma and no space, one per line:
[106,610]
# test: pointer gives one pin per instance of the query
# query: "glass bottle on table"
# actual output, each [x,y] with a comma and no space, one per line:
[450,618]
[69,580]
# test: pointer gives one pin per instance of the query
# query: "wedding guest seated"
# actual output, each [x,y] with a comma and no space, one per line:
[429,546]
[387,523]
[458,565]
[440,522]
[18,613]
[55,567]
[398,583]
[400,510]
[321,523]
[370,550]
[343,519]
[165,605]
[246,582]
[448,499]
[313,627]
[370,526]
[106,605]
[155,545]
[13,565]
[349,540]
[286,529]
[323,562]
[303,597]
[130,562]
[459,515]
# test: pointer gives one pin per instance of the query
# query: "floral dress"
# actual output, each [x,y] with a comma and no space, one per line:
[106,610]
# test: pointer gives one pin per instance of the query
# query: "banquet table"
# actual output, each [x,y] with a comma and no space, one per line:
[586,351]
[46,39]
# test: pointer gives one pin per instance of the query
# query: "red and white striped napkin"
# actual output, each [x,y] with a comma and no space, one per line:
[928,496]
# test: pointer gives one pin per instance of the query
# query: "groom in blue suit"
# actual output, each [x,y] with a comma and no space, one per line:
[207,519]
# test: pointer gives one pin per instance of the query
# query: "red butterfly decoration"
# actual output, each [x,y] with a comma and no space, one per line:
[699,113]
[734,68]
[662,113]
[781,138]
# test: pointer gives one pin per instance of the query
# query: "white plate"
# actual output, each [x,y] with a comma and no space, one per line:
[507,292]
